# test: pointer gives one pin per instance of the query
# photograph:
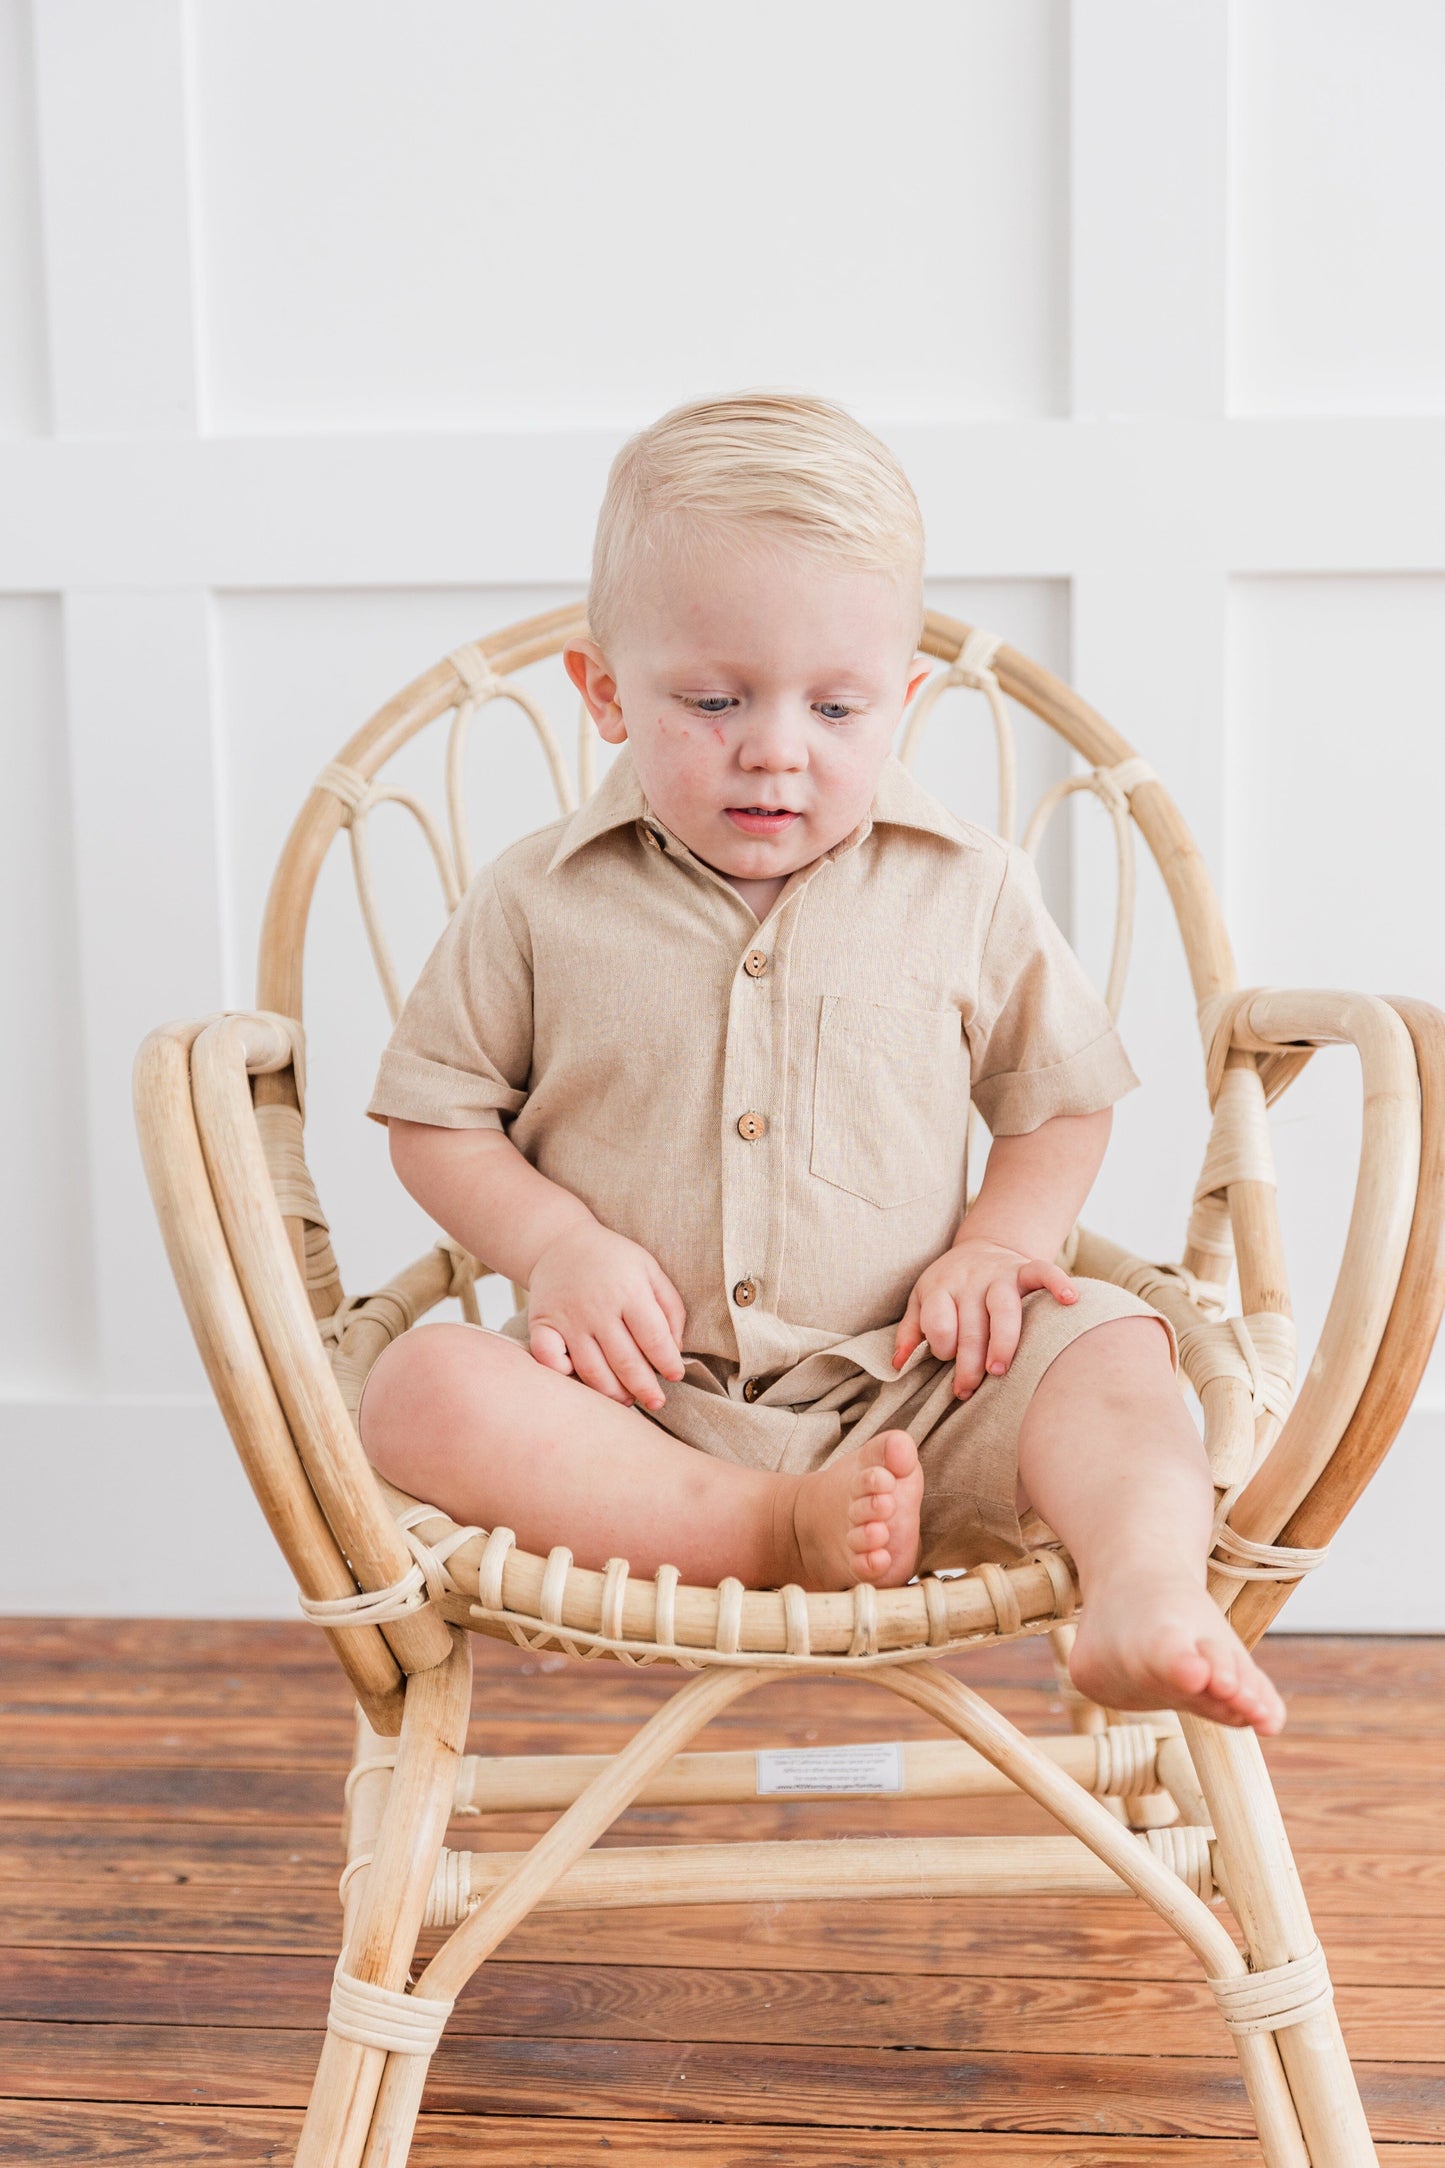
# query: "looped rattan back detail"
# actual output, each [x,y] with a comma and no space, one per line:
[1112,784]
[971,667]
[482,685]
[477,685]
[1112,787]
[489,670]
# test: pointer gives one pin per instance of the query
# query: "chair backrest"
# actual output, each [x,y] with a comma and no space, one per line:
[492,670]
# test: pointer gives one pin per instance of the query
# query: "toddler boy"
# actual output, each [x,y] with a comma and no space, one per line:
[694,1067]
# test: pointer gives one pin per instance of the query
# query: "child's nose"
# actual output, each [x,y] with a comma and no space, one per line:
[773,743]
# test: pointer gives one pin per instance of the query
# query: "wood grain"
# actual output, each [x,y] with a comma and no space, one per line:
[63,2135]
[1158,2096]
[696,2002]
[168,1861]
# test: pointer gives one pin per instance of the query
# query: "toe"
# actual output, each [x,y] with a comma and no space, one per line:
[873,1506]
[1260,1701]
[900,1453]
[1228,1664]
[1227,1713]
[1184,1665]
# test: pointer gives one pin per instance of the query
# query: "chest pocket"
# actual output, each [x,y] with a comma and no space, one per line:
[890,1100]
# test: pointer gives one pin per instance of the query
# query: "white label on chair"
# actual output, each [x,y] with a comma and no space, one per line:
[830,1768]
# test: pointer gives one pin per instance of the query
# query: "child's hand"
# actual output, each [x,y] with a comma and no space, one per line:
[968,1306]
[603,1309]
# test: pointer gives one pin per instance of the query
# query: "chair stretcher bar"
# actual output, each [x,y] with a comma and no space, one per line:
[801,1870]
[1120,1761]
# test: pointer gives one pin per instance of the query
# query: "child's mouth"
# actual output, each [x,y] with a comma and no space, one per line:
[760,820]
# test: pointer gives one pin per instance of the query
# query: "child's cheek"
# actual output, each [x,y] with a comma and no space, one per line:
[691,731]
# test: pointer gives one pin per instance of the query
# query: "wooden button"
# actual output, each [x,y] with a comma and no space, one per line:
[755,963]
[752,1388]
[752,1126]
[655,837]
[745,1292]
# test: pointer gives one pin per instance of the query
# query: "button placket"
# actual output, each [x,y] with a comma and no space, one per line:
[752,1177]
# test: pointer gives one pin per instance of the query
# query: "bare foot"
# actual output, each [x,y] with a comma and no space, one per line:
[1156,1641]
[857,1519]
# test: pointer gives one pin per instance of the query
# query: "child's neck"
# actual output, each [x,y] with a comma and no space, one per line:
[759,896]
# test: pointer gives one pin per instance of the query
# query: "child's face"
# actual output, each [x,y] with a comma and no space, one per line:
[760,692]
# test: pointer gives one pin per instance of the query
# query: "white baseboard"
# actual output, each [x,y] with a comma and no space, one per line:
[139,1509]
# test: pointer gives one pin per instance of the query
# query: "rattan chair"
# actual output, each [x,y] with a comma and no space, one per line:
[1174,1811]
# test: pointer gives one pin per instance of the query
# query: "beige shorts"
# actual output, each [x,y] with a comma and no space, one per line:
[832,1401]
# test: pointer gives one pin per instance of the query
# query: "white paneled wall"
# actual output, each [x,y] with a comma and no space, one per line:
[1340,183]
[512,216]
[24,399]
[318,328]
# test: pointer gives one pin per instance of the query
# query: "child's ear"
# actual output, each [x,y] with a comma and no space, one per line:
[588,668]
[918,671]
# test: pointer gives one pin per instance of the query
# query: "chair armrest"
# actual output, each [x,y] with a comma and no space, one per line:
[1372,1294]
[197,1077]
[1403,1351]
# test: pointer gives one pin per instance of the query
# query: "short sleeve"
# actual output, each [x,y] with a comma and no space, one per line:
[1041,1040]
[461,1051]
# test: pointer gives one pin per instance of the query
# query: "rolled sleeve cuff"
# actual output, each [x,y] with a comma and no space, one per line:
[1022,1099]
[417,1090]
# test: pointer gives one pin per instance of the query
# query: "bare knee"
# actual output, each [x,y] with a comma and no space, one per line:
[425,1391]
[1124,1352]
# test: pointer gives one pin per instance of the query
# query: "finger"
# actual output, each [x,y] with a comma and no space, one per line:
[938,1316]
[550,1349]
[909,1334]
[1005,1322]
[647,1322]
[970,1365]
[670,1301]
[593,1368]
[630,1366]
[1039,1273]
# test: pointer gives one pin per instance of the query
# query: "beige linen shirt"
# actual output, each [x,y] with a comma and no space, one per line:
[778,1111]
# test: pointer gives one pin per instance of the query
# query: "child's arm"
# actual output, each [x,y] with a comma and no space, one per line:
[599,1305]
[967,1305]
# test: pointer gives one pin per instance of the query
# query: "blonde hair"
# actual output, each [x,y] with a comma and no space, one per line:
[798,467]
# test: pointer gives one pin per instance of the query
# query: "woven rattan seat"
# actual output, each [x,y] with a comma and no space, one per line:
[1173,1810]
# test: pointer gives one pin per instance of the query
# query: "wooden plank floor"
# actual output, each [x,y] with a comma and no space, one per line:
[169,1796]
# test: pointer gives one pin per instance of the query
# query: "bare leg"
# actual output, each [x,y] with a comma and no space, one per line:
[1108,1455]
[472,1424]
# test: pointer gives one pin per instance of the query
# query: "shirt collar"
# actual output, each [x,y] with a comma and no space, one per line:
[901,802]
[618,801]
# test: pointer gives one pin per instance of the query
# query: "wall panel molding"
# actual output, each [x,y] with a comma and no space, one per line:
[1140,512]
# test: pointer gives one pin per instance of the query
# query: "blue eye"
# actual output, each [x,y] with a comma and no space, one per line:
[710,704]
[841,716]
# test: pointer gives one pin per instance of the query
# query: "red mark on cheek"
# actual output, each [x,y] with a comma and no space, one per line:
[719,733]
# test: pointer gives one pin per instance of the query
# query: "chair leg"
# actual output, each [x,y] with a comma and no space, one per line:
[388,1917]
[1259,1877]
